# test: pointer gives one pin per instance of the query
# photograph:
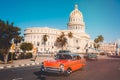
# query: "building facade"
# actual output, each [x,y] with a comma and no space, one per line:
[108,47]
[111,48]
[75,25]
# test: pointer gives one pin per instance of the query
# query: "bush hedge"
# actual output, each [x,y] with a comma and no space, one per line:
[25,55]
[29,55]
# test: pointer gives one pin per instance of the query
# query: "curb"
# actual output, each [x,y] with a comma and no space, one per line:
[21,65]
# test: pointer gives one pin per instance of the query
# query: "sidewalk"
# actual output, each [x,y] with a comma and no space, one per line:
[24,62]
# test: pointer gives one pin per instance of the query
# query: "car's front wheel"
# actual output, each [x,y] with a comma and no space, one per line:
[68,72]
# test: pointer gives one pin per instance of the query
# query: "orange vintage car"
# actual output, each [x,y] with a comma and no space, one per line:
[64,63]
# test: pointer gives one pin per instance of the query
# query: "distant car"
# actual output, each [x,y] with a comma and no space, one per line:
[110,54]
[64,51]
[64,63]
[90,56]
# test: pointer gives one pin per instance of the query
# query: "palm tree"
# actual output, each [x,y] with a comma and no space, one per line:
[100,37]
[70,35]
[18,39]
[61,41]
[45,39]
[97,41]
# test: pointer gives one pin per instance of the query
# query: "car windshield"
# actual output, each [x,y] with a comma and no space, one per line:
[92,55]
[61,56]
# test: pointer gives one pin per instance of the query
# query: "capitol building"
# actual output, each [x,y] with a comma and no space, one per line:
[76,26]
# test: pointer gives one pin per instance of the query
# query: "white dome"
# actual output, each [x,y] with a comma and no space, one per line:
[76,16]
[76,12]
[76,21]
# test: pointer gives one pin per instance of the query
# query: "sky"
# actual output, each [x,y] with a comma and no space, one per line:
[101,17]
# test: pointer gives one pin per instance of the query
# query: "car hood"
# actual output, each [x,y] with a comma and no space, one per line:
[54,63]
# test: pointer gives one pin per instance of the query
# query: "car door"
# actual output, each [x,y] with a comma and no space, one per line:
[76,63]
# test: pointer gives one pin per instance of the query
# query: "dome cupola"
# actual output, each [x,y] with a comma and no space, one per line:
[76,20]
[76,13]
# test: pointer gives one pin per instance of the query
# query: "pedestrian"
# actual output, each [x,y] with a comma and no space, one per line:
[35,50]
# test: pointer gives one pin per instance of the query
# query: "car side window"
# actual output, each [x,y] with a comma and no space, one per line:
[74,58]
[63,57]
[78,57]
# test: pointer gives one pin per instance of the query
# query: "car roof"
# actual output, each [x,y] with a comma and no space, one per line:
[72,54]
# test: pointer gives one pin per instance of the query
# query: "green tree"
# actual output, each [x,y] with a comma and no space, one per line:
[45,39]
[98,40]
[7,33]
[70,35]
[18,39]
[61,41]
[26,47]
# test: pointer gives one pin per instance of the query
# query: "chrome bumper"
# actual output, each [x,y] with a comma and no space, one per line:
[51,69]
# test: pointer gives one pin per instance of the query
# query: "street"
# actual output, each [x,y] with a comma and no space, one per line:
[103,69]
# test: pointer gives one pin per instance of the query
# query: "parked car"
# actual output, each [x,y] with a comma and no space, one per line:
[64,51]
[63,63]
[90,56]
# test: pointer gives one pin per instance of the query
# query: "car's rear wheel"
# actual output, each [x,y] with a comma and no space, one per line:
[68,71]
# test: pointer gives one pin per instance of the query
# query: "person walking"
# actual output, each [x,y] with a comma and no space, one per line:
[35,50]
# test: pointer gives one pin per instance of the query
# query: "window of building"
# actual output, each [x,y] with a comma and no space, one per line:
[80,27]
[44,49]
[76,41]
[73,19]
[34,42]
[38,43]
[48,43]
[41,49]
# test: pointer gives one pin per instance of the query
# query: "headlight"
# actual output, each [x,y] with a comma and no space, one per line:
[61,67]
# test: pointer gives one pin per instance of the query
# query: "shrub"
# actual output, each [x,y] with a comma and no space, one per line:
[29,55]
[25,55]
[21,56]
